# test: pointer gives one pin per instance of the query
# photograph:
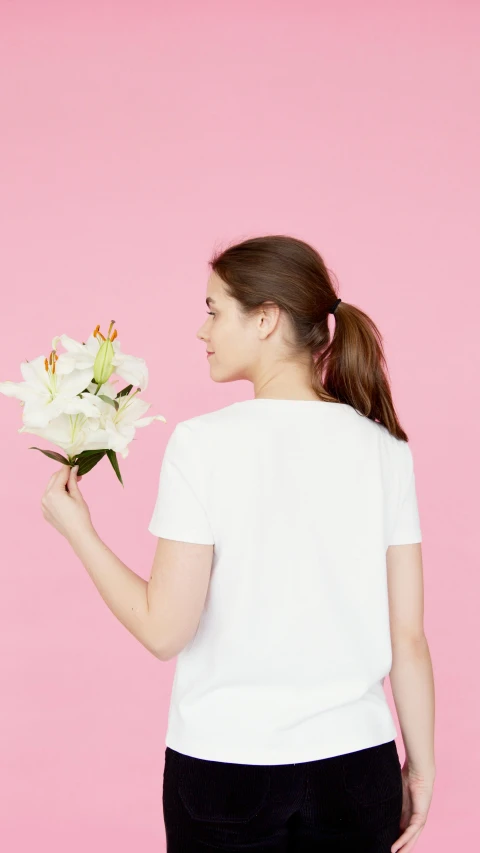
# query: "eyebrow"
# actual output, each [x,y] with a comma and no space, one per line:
[210,301]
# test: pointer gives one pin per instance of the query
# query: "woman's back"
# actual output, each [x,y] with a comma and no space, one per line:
[301,499]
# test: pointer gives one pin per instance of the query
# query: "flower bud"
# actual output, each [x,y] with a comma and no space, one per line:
[102,367]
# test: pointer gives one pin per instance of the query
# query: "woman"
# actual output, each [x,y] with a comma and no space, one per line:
[303,503]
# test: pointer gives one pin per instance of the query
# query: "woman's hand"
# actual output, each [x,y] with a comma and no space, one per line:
[63,505]
[417,796]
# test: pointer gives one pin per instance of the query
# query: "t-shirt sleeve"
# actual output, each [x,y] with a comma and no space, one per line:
[179,512]
[406,527]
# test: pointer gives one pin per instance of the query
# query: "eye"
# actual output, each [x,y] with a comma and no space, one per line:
[211,312]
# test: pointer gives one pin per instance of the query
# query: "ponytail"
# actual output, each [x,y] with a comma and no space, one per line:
[348,367]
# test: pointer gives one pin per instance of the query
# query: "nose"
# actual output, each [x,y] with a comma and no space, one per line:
[200,335]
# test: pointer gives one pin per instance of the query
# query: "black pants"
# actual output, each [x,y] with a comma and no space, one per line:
[349,803]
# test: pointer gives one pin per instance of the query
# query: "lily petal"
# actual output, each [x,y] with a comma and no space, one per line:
[34,372]
[20,390]
[146,421]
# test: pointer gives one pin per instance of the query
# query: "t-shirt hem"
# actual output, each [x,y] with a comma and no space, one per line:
[406,538]
[178,535]
[325,745]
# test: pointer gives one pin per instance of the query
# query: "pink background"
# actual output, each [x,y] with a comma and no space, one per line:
[137,136]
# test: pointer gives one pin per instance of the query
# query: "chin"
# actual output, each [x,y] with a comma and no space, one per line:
[226,376]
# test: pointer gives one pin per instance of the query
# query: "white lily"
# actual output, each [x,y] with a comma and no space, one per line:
[46,393]
[73,433]
[111,429]
[52,384]
[118,426]
[69,399]
[81,356]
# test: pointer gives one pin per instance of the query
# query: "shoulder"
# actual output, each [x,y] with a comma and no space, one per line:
[394,453]
[376,433]
[203,430]
[397,460]
[209,419]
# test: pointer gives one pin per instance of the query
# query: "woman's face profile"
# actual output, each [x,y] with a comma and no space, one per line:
[227,335]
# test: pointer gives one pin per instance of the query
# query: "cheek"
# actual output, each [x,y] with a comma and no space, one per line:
[222,336]
[232,346]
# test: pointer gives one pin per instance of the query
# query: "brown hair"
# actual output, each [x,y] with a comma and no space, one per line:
[293,275]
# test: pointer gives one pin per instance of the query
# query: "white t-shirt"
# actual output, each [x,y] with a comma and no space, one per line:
[301,499]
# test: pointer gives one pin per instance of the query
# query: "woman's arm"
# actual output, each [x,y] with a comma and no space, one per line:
[411,675]
[123,591]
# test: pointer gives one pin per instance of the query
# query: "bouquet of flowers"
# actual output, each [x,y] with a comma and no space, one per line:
[70,400]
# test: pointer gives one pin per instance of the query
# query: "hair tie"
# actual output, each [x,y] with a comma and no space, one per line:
[334,307]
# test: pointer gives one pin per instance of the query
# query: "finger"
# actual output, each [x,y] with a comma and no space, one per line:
[406,836]
[59,478]
[51,481]
[411,843]
[73,479]
[49,485]
[63,475]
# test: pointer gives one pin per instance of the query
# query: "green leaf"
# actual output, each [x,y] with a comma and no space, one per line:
[51,453]
[124,391]
[87,460]
[109,400]
[113,459]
